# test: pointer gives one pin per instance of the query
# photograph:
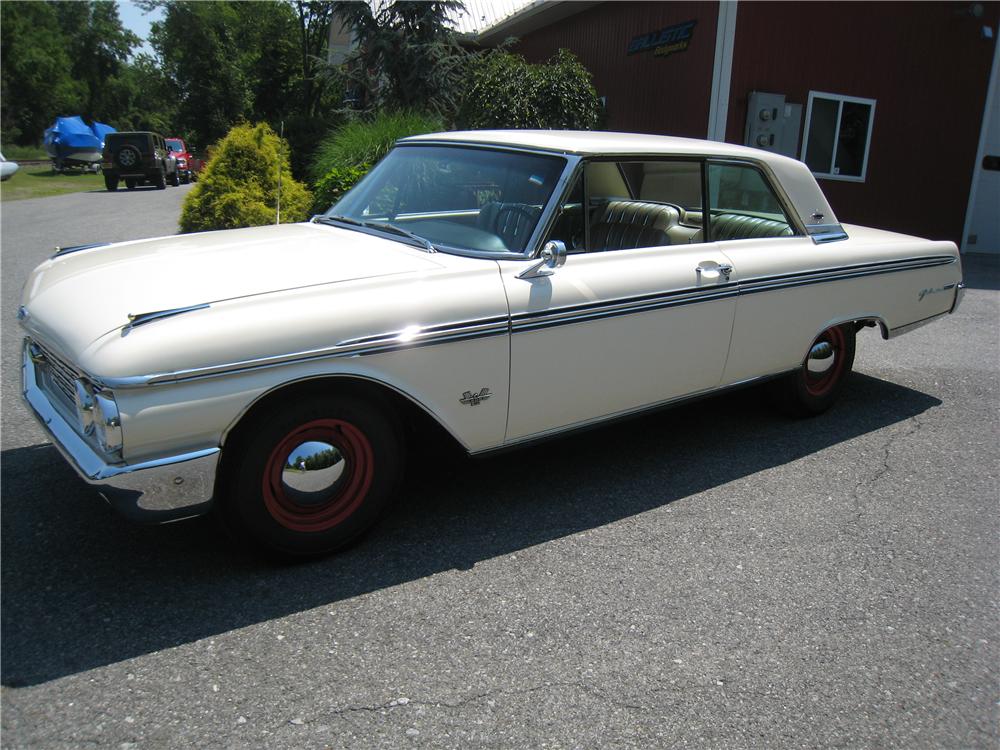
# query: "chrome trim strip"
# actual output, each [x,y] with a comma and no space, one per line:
[900,330]
[823,233]
[628,413]
[140,319]
[61,251]
[161,489]
[531,321]
[377,344]
[959,294]
[821,276]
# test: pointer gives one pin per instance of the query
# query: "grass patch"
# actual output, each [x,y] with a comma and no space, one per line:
[41,182]
[29,153]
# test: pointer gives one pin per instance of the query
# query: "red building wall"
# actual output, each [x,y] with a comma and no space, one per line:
[926,65]
[645,94]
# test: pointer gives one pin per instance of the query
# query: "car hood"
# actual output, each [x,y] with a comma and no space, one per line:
[73,299]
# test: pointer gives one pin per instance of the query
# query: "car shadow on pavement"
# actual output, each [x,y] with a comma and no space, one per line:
[83,588]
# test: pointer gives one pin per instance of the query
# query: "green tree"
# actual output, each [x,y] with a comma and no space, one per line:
[197,44]
[239,187]
[505,91]
[35,80]
[143,98]
[99,47]
[408,57]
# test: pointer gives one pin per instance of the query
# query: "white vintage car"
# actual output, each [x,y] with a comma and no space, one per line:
[508,285]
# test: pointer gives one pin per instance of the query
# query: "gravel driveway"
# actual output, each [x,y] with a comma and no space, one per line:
[712,576]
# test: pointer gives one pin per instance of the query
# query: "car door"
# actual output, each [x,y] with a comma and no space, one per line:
[781,307]
[641,313]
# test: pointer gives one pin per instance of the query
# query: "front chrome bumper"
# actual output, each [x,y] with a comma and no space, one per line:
[156,491]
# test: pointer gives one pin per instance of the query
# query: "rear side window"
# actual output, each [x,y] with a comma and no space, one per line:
[743,205]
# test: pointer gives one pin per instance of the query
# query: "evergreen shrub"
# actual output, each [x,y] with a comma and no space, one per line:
[239,185]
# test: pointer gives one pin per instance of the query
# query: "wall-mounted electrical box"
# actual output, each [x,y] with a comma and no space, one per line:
[773,124]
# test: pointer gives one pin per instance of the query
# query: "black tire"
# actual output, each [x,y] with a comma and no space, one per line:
[160,181]
[816,385]
[110,182]
[130,183]
[174,180]
[337,499]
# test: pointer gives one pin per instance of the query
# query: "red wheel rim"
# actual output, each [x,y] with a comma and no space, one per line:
[819,384]
[344,497]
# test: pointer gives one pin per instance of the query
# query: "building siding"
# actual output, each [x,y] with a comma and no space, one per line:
[645,93]
[927,66]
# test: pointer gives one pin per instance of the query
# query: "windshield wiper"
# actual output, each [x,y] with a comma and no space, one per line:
[383,226]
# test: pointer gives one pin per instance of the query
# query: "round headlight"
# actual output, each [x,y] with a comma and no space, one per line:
[107,422]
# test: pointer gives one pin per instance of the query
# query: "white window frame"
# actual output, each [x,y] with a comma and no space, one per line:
[840,99]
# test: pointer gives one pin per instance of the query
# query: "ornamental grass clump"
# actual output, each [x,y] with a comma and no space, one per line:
[239,186]
[347,153]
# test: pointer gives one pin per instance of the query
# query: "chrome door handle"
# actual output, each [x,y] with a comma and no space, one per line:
[723,269]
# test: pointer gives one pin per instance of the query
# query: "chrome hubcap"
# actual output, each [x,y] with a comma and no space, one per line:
[313,473]
[821,358]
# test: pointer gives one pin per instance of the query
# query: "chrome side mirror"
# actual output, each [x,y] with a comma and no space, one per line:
[553,255]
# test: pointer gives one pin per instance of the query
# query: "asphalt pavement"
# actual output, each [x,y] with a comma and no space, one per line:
[711,576]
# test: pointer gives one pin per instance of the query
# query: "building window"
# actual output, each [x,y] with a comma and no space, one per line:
[838,135]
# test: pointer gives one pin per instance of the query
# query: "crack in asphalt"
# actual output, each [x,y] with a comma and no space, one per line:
[884,467]
[348,710]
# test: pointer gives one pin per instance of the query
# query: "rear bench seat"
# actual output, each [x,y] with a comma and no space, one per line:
[623,225]
[740,227]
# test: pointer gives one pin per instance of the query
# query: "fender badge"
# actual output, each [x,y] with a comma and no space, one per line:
[22,313]
[925,292]
[474,399]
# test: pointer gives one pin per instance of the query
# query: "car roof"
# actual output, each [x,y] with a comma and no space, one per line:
[590,142]
[793,176]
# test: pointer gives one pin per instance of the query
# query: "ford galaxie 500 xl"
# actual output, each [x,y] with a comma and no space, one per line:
[509,285]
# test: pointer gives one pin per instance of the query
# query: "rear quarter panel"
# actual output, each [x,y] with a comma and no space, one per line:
[873,275]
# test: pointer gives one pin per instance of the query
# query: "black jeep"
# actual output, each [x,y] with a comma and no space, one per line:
[139,158]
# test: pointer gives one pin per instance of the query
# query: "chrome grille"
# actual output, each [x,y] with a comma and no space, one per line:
[60,374]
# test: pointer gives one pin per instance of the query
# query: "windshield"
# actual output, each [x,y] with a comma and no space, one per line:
[175,146]
[470,198]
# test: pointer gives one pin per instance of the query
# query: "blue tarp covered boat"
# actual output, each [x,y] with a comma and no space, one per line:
[73,143]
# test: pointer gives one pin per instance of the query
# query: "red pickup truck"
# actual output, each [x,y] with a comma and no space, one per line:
[188,165]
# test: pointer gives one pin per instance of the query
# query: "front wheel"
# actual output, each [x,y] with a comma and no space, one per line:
[160,181]
[813,388]
[174,180]
[306,478]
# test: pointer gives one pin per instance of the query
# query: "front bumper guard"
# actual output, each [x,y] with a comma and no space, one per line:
[156,491]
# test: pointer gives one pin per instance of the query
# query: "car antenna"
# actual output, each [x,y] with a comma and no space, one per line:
[281,146]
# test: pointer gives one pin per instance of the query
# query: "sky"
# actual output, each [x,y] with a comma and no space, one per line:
[138,22]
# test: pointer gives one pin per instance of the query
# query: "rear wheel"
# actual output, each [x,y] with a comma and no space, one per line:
[306,478]
[111,182]
[813,388]
[130,183]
